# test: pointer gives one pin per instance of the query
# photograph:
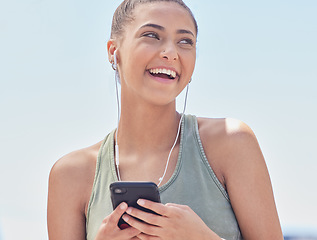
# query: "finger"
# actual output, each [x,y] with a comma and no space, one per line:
[176,205]
[117,213]
[154,206]
[129,233]
[141,226]
[149,218]
[143,236]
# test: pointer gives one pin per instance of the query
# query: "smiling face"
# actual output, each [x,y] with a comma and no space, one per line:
[157,52]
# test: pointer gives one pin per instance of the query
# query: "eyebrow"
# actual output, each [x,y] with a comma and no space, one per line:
[161,28]
[182,31]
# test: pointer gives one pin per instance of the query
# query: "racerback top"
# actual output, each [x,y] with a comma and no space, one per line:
[193,183]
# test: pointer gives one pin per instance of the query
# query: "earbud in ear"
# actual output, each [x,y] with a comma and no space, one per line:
[114,63]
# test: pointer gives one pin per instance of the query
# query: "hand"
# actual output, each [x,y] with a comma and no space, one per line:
[176,222]
[109,228]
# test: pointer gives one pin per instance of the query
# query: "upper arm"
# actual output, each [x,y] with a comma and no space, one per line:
[236,158]
[249,185]
[69,185]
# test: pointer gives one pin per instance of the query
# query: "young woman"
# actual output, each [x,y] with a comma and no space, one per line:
[213,181]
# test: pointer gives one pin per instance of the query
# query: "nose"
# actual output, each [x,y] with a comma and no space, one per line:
[169,52]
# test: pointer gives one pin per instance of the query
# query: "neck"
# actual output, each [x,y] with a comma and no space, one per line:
[147,131]
[147,128]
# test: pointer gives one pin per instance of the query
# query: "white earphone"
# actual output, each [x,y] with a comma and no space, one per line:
[117,161]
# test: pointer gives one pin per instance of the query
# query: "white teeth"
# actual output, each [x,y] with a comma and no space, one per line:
[164,71]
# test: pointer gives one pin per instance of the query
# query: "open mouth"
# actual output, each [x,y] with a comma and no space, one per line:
[163,73]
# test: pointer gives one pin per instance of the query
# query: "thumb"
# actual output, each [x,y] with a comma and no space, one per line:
[118,212]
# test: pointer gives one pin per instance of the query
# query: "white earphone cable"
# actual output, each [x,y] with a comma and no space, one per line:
[118,119]
[178,131]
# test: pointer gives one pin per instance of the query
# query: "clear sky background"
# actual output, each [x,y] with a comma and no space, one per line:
[256,61]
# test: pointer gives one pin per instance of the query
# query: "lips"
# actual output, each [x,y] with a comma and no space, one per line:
[163,73]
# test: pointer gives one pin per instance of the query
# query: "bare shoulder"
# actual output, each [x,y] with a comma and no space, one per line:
[75,171]
[76,163]
[226,142]
[70,184]
[235,155]
[224,128]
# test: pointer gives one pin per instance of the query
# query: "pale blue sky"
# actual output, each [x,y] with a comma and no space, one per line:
[256,61]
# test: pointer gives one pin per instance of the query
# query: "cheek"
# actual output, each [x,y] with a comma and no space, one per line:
[139,56]
[190,62]
[133,69]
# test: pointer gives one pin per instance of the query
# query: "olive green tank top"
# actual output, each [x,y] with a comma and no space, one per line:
[193,183]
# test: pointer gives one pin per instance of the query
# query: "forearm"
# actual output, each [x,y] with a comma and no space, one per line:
[208,234]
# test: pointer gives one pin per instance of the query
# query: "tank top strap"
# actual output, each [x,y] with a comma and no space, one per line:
[193,183]
[203,157]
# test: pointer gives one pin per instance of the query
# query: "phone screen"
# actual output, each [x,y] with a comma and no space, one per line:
[130,193]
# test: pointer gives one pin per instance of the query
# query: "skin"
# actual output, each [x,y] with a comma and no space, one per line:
[230,145]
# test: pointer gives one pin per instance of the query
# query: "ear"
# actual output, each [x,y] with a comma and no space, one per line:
[111,47]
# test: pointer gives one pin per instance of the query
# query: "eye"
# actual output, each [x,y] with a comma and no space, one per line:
[151,35]
[187,41]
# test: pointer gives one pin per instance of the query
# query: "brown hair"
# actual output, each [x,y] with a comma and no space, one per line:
[124,14]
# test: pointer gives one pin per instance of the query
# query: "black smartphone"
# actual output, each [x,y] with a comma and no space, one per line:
[130,193]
